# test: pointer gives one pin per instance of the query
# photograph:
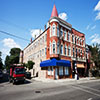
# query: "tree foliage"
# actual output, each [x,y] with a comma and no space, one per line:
[95,57]
[1,64]
[13,58]
[30,64]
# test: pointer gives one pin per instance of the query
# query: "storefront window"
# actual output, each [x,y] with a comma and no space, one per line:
[60,70]
[66,71]
[52,70]
[48,70]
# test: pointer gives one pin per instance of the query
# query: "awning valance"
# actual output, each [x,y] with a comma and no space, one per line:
[55,62]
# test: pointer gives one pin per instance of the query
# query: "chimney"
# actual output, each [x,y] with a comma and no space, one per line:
[31,40]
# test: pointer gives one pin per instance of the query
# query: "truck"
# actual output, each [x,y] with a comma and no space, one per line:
[17,73]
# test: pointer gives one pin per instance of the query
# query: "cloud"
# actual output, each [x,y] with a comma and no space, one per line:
[10,43]
[36,32]
[63,16]
[95,38]
[93,27]
[97,7]
[98,16]
[88,27]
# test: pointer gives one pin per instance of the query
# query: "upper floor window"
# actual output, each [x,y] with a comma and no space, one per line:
[58,48]
[73,38]
[45,51]
[61,32]
[53,30]
[45,37]
[54,47]
[73,52]
[65,35]
[61,49]
[58,30]
[68,36]
[69,51]
[65,50]
[50,48]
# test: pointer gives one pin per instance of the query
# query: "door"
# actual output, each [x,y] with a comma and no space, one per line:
[56,73]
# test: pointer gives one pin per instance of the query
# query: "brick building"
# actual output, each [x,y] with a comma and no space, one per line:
[58,52]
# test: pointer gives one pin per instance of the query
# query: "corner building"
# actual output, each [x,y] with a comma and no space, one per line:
[56,50]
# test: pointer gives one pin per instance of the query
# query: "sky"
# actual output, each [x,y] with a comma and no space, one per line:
[24,18]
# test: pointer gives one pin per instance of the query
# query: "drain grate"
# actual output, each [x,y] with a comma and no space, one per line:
[37,91]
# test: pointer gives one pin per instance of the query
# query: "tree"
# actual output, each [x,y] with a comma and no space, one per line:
[95,57]
[30,65]
[13,58]
[1,64]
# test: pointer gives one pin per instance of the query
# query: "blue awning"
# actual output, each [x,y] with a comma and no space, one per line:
[55,62]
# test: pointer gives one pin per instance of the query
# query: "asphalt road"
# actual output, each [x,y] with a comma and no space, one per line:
[33,90]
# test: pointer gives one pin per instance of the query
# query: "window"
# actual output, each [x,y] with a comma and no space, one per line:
[58,48]
[53,30]
[40,52]
[50,48]
[57,30]
[68,36]
[45,51]
[65,35]
[66,71]
[60,70]
[61,49]
[69,51]
[52,70]
[76,52]
[79,52]
[73,38]
[73,52]
[45,37]
[48,70]
[65,50]
[54,47]
[61,32]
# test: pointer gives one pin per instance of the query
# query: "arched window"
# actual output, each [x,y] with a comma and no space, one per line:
[69,51]
[53,30]
[61,50]
[54,47]
[58,30]
[65,50]
[58,48]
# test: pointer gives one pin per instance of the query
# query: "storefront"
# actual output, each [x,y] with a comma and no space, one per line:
[57,69]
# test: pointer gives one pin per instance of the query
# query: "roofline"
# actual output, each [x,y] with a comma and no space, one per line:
[78,31]
[36,38]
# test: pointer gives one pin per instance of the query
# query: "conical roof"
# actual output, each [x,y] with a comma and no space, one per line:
[54,12]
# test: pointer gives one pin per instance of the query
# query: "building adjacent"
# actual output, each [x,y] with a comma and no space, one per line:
[58,52]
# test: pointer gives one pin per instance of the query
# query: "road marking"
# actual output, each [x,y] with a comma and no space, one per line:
[89,99]
[79,88]
[89,88]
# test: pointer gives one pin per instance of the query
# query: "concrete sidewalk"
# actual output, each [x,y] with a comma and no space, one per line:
[68,80]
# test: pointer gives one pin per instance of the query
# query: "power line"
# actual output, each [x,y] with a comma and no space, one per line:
[13,35]
[13,24]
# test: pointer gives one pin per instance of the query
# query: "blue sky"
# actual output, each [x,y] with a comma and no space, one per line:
[24,17]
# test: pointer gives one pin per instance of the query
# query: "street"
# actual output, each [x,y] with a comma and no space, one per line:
[35,90]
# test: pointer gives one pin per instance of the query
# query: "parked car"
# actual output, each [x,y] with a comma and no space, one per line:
[28,75]
[1,74]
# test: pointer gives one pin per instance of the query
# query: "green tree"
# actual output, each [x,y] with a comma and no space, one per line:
[30,64]
[1,64]
[13,58]
[95,57]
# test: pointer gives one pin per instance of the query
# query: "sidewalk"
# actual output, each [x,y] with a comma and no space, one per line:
[68,80]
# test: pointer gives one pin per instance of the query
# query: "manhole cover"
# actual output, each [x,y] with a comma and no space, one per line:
[37,91]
